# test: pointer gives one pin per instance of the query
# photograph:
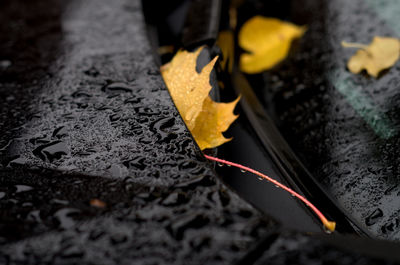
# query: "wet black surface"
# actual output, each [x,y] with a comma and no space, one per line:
[85,115]
[299,249]
[343,127]
[96,165]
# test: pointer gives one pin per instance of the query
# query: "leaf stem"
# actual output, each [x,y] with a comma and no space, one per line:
[329,225]
[354,45]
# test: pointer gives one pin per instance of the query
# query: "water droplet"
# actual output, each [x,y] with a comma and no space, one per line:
[391,226]
[243,171]
[146,111]
[326,230]
[58,201]
[80,93]
[64,217]
[60,132]
[82,105]
[153,72]
[118,238]
[114,117]
[276,186]
[220,164]
[260,178]
[5,64]
[117,88]
[39,140]
[34,216]
[164,128]
[133,100]
[10,98]
[22,188]
[138,163]
[92,72]
[96,234]
[51,151]
[374,217]
[20,161]
[72,252]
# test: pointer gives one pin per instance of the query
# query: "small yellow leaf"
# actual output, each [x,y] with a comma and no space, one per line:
[268,40]
[205,119]
[380,54]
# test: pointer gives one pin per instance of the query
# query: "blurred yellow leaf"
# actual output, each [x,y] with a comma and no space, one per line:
[380,54]
[205,119]
[226,43]
[268,42]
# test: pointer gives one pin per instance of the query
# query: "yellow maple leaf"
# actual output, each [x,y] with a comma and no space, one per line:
[205,118]
[380,54]
[268,40]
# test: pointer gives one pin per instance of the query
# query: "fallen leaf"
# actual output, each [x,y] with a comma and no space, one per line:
[205,118]
[268,42]
[380,54]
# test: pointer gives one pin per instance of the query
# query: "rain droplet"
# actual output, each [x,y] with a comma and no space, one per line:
[138,163]
[92,72]
[5,64]
[60,132]
[117,87]
[17,162]
[374,217]
[80,93]
[51,151]
[220,164]
[326,230]
[118,239]
[260,178]
[64,217]
[22,188]
[114,117]
[243,171]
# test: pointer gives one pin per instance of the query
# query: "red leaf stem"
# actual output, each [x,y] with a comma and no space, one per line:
[329,225]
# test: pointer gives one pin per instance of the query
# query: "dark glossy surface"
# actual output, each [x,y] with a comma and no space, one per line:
[282,164]
[273,201]
[85,115]
[343,127]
